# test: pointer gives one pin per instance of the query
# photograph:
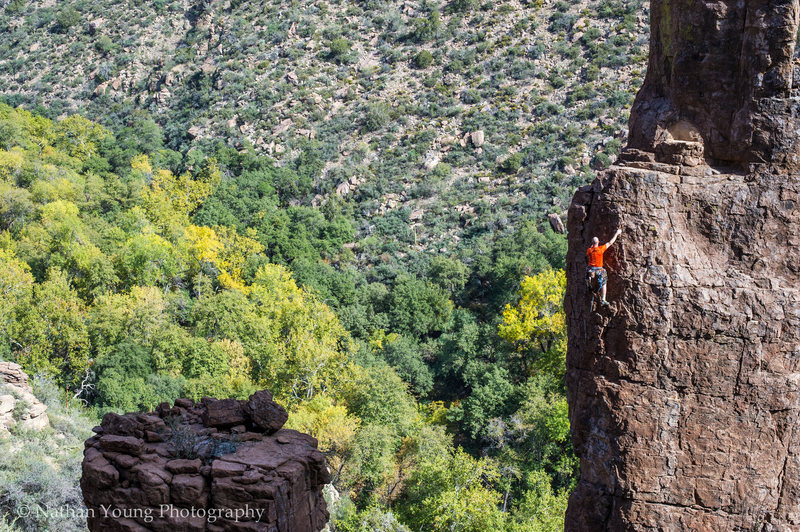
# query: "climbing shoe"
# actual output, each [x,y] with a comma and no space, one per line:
[604,302]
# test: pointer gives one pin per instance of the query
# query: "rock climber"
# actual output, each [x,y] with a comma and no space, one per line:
[595,271]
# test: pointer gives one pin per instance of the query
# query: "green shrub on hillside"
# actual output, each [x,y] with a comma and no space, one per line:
[66,18]
[423,59]
[104,44]
[512,163]
[339,50]
[426,28]
[375,116]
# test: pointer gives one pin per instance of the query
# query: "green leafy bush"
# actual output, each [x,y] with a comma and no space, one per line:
[426,28]
[423,59]
[512,163]
[104,44]
[66,18]
[339,50]
[375,116]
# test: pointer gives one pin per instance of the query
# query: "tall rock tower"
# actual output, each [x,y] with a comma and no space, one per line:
[685,393]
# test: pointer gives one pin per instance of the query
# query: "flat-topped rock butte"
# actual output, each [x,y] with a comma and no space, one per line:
[685,394]
[216,466]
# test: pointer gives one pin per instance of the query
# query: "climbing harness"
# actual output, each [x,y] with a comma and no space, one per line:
[595,281]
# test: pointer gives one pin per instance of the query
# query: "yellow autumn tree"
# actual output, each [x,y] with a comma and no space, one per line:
[308,353]
[171,200]
[221,252]
[331,423]
[79,137]
[236,249]
[536,325]
[11,163]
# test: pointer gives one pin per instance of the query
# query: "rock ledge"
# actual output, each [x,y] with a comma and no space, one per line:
[215,465]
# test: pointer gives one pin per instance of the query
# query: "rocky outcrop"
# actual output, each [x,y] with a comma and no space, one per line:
[215,465]
[722,72]
[685,394]
[18,405]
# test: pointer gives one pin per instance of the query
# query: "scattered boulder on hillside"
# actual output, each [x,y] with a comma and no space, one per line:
[215,465]
[477,138]
[93,26]
[556,223]
[430,160]
[18,405]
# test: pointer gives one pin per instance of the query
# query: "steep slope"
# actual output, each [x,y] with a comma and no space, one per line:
[684,395]
[450,118]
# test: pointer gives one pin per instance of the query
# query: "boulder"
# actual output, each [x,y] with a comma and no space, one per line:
[265,413]
[477,138]
[222,413]
[556,223]
[121,444]
[18,405]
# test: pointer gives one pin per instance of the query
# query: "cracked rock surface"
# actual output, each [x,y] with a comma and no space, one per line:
[723,71]
[190,467]
[685,394]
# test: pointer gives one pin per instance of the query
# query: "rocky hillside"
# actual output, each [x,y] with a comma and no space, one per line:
[18,405]
[438,120]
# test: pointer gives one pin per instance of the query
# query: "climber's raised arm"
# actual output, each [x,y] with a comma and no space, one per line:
[614,238]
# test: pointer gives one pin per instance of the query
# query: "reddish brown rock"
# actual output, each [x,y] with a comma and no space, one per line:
[184,466]
[200,467]
[188,490]
[265,413]
[99,473]
[223,468]
[121,444]
[722,72]
[222,413]
[685,394]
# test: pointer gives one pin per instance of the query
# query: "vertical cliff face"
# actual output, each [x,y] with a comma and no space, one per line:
[685,394]
[721,71]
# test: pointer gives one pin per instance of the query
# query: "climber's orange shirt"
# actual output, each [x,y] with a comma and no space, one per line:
[595,254]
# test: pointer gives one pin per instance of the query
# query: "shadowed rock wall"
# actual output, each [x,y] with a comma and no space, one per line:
[722,70]
[685,394]
[217,465]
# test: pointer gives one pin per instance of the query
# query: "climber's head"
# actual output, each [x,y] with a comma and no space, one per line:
[595,241]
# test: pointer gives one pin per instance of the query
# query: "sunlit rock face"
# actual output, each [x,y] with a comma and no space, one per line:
[18,405]
[685,394]
[216,466]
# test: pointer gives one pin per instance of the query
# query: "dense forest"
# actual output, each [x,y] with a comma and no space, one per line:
[134,275]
